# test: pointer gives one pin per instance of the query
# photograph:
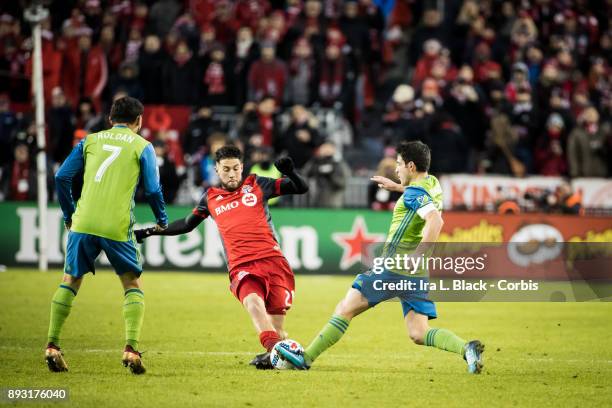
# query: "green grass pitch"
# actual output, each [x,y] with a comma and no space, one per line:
[198,342]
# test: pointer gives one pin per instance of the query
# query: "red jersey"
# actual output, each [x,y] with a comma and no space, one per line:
[243,219]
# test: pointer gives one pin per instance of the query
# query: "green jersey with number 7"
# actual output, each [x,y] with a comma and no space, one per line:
[112,170]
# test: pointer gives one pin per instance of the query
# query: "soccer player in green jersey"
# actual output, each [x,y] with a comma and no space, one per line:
[113,161]
[416,223]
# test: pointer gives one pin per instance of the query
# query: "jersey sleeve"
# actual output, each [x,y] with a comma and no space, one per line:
[201,210]
[152,186]
[73,164]
[418,199]
[271,187]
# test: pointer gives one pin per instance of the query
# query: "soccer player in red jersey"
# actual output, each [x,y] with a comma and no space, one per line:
[260,276]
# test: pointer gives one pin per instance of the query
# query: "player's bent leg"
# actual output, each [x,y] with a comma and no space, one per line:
[133,315]
[61,304]
[443,339]
[418,326]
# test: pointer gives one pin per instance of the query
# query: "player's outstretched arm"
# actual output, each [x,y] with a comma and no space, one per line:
[152,186]
[387,184]
[295,184]
[177,227]
[63,181]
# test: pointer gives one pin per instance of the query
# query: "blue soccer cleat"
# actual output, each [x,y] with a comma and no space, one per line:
[295,359]
[473,356]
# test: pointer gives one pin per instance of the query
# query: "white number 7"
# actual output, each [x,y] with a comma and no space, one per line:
[115,150]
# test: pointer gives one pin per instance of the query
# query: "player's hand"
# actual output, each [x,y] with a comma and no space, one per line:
[284,165]
[387,184]
[142,234]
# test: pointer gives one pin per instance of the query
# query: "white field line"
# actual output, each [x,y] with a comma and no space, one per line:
[336,356]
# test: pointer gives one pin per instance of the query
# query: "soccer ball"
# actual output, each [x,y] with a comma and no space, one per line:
[278,361]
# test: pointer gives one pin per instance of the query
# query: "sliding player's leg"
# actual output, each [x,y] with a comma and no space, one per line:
[417,315]
[353,304]
[125,259]
[81,252]
[251,292]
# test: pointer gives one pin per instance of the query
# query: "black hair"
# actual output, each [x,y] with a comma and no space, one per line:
[126,110]
[228,152]
[416,152]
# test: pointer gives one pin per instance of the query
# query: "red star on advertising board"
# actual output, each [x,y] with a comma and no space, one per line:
[354,244]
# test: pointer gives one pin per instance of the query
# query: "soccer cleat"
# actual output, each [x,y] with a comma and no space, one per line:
[262,361]
[133,360]
[473,356]
[296,360]
[55,359]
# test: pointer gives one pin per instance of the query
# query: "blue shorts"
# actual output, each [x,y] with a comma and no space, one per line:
[373,288]
[83,249]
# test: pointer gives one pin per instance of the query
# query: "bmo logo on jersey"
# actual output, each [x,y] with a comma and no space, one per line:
[226,207]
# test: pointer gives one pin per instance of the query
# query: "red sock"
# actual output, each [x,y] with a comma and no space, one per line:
[268,339]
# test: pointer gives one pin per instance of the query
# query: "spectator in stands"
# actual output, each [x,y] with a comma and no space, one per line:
[242,53]
[8,127]
[87,119]
[151,62]
[85,71]
[168,175]
[207,175]
[111,48]
[216,84]
[127,80]
[259,126]
[302,88]
[381,199]
[337,75]
[268,75]
[449,146]
[200,127]
[588,146]
[465,104]
[550,156]
[329,175]
[301,138]
[61,126]
[19,177]
[431,28]
[181,77]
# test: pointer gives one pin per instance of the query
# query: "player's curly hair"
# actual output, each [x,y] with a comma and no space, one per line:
[416,152]
[228,152]
[126,110]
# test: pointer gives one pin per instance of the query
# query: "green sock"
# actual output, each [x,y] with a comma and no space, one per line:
[60,309]
[329,335]
[133,314]
[445,340]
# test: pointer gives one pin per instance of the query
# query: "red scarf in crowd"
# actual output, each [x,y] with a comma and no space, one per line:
[20,178]
[330,85]
[214,78]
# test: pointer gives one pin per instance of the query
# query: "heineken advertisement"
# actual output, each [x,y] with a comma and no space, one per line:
[313,240]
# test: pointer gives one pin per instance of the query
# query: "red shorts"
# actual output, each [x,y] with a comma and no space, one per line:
[271,278]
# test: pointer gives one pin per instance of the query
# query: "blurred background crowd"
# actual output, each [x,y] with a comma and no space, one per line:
[494,87]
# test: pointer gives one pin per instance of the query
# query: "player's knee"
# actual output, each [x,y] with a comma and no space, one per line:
[345,309]
[253,303]
[417,334]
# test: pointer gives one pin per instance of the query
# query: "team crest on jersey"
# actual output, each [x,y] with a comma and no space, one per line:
[249,199]
[423,199]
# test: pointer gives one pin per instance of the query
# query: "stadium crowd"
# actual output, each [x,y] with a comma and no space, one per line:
[494,87]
